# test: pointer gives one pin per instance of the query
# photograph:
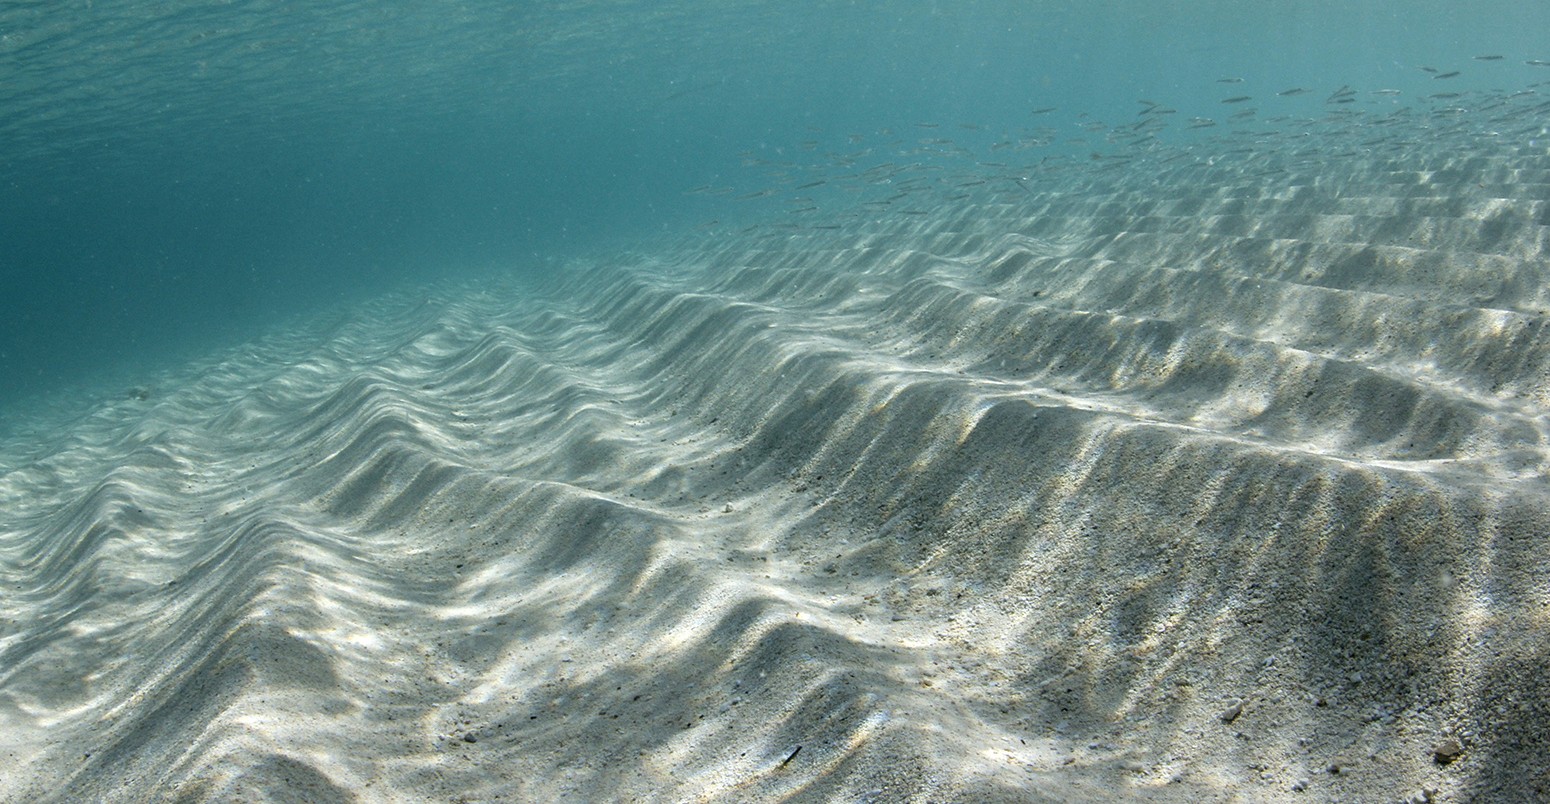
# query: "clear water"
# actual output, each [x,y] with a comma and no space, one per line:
[185,173]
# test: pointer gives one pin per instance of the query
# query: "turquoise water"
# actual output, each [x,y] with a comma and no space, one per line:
[182,174]
[603,401]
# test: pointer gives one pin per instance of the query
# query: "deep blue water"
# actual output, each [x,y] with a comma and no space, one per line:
[177,175]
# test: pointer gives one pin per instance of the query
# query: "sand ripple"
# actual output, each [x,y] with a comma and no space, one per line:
[1015,500]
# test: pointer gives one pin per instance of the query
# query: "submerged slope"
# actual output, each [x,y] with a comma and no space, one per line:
[1187,483]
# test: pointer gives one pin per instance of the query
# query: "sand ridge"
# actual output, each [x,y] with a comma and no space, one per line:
[1187,485]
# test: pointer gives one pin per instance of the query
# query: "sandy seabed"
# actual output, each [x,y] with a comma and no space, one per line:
[1230,489]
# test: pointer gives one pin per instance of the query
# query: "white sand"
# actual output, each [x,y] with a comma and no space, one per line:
[1217,491]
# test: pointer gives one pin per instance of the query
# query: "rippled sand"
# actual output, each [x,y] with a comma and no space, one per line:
[1224,489]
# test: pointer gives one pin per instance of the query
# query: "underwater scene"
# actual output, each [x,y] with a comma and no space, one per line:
[747,400]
